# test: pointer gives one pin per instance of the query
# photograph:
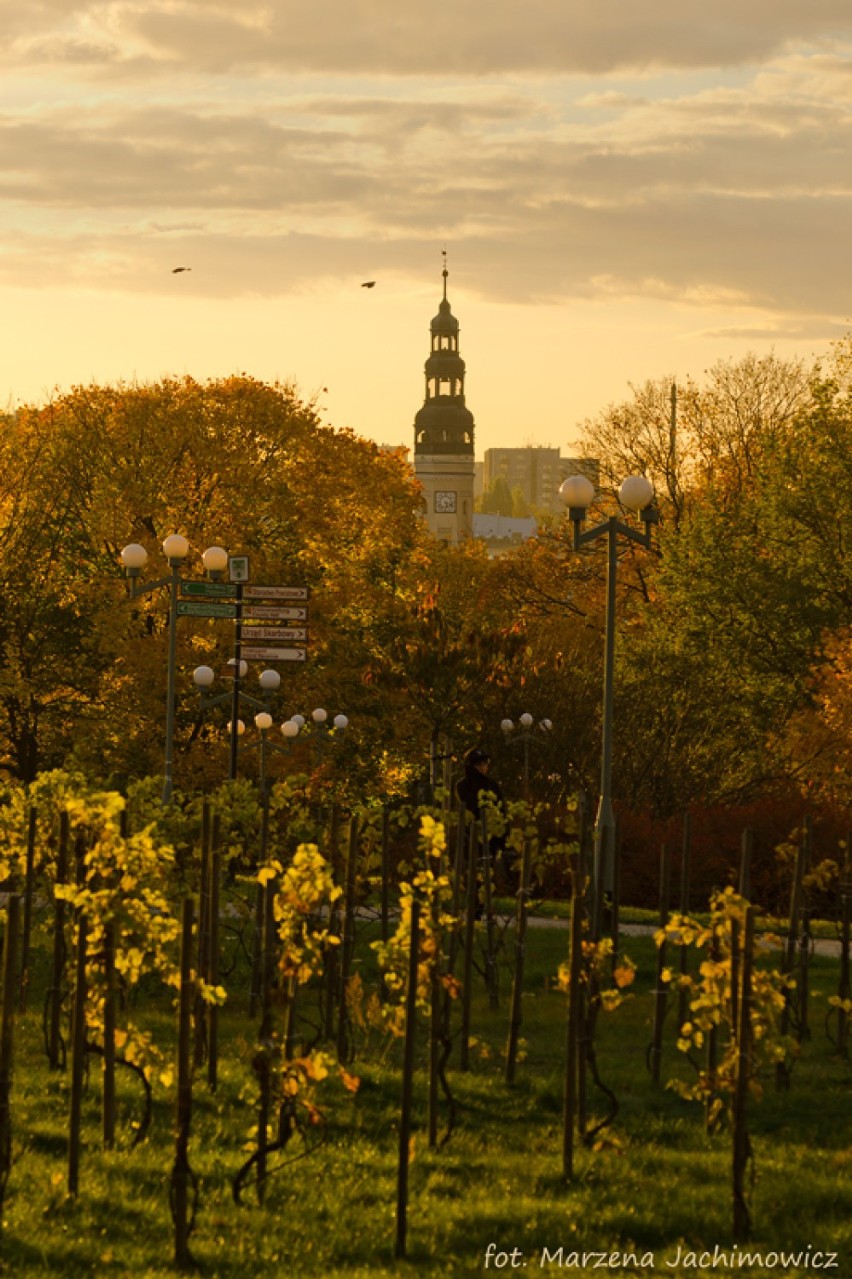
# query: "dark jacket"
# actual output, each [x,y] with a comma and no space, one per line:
[471,787]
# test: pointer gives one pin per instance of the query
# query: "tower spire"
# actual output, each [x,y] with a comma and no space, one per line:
[443,430]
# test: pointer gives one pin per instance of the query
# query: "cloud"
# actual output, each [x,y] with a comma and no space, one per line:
[386,37]
[812,330]
[730,194]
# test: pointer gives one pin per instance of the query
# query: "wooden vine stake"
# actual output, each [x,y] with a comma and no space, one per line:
[487,883]
[439,1013]
[458,918]
[201,1044]
[686,857]
[746,854]
[213,963]
[334,926]
[791,946]
[735,977]
[575,1013]
[55,1052]
[660,988]
[436,1021]
[843,988]
[109,1036]
[385,899]
[585,1028]
[265,1048]
[78,1056]
[714,951]
[516,1012]
[458,889]
[741,1144]
[347,941]
[469,934]
[10,949]
[615,903]
[182,1179]
[259,898]
[407,1084]
[29,887]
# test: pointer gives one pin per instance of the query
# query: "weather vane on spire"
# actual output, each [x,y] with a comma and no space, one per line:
[445,272]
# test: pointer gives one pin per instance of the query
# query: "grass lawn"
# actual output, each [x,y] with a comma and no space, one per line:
[661,1189]
[821,929]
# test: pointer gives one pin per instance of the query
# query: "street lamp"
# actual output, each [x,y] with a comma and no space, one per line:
[525,734]
[321,729]
[215,561]
[636,494]
[134,558]
[270,682]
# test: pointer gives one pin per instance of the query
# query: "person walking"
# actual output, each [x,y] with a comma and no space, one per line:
[476,780]
[476,784]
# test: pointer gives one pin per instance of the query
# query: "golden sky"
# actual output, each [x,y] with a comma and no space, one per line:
[625,191]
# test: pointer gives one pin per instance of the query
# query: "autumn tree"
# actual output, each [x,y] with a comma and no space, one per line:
[439,661]
[750,579]
[719,629]
[232,462]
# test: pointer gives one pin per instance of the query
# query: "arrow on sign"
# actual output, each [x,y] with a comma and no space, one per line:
[274,654]
[209,590]
[275,612]
[252,633]
[275,593]
[199,608]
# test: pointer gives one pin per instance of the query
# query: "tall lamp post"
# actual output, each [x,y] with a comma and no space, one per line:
[175,549]
[636,494]
[270,682]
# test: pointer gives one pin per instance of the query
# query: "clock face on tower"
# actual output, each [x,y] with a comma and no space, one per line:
[445,503]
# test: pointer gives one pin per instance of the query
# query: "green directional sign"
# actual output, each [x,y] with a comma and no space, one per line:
[200,608]
[209,590]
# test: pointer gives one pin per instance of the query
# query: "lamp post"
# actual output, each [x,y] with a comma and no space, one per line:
[525,735]
[175,549]
[636,494]
[270,682]
[321,730]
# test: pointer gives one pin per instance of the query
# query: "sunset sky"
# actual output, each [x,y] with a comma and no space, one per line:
[625,191]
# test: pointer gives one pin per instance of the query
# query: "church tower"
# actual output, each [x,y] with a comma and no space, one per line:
[443,433]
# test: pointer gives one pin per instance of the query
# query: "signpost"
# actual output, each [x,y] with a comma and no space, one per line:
[253,610]
[252,633]
[274,613]
[257,613]
[275,592]
[238,568]
[274,654]
[209,590]
[198,608]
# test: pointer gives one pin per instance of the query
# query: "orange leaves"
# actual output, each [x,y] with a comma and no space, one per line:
[451,985]
[597,960]
[350,1082]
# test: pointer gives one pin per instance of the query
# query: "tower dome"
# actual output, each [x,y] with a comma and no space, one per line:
[444,321]
[445,423]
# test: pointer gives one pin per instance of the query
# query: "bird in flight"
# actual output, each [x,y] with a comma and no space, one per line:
[368,284]
[176,270]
